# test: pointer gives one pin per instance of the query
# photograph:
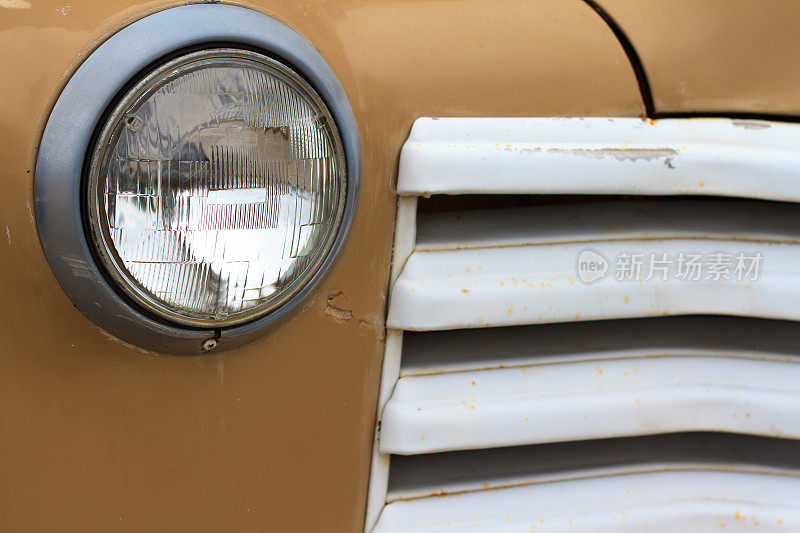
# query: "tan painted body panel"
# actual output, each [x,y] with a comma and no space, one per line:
[716,55]
[274,436]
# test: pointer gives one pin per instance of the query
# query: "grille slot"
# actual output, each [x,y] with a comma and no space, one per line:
[634,219]
[496,345]
[436,352]
[437,474]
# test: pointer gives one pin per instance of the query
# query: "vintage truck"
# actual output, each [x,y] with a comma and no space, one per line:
[401,265]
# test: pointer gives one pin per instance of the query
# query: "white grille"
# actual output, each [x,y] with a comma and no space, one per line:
[500,355]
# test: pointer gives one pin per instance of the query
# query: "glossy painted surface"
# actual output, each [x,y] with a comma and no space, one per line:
[716,55]
[276,436]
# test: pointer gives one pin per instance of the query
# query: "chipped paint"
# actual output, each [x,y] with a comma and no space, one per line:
[751,124]
[15,4]
[620,154]
[599,156]
[335,311]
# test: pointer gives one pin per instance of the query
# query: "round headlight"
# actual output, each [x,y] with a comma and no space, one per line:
[215,188]
[192,193]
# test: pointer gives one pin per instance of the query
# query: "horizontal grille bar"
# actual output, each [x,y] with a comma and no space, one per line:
[589,400]
[654,501]
[720,157]
[517,285]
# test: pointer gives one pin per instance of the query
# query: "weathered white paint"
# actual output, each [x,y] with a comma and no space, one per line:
[668,501]
[591,400]
[405,233]
[753,159]
[517,285]
[474,388]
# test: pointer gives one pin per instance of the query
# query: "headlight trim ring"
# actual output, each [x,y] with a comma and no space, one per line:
[70,130]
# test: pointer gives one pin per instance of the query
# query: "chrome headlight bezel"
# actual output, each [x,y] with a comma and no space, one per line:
[65,153]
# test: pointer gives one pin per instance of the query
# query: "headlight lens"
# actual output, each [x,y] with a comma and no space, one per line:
[216,188]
